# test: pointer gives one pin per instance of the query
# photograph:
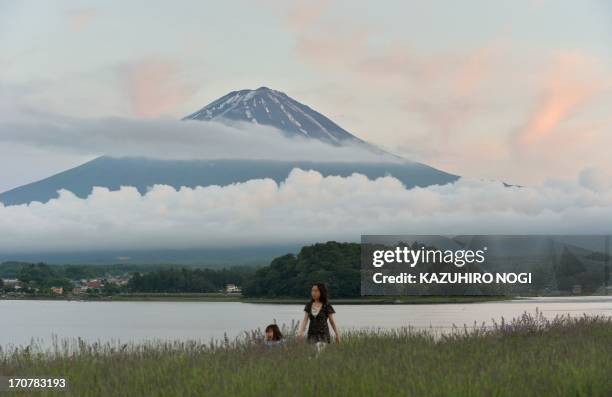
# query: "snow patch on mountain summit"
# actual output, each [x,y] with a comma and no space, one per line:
[274,108]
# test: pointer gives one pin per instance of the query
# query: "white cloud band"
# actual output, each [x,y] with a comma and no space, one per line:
[306,207]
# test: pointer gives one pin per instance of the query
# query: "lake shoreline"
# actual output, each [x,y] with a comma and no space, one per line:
[142,321]
[211,297]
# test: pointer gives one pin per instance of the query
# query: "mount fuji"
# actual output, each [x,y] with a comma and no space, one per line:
[262,106]
[274,108]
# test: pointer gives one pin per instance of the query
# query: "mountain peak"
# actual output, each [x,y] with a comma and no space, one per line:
[266,106]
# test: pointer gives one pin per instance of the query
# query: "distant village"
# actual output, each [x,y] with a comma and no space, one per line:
[30,280]
[79,287]
[115,284]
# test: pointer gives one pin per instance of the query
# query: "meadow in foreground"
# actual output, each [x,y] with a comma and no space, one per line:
[528,356]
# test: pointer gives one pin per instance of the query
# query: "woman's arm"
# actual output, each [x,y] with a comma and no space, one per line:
[303,326]
[332,321]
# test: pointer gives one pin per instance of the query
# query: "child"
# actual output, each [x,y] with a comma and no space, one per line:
[273,336]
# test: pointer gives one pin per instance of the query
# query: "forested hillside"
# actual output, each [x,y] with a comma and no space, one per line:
[336,264]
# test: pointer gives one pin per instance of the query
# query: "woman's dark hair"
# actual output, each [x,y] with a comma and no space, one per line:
[322,291]
[276,334]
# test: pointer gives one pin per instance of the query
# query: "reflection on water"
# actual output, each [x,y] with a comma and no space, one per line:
[138,321]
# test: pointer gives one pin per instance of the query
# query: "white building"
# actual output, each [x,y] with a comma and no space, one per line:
[232,289]
[11,283]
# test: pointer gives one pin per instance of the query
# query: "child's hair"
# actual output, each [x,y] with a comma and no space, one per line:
[276,334]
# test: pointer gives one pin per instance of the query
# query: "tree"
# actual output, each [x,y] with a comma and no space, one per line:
[335,264]
[43,276]
[187,280]
[567,270]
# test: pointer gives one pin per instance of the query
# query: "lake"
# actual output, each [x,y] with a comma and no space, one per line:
[24,320]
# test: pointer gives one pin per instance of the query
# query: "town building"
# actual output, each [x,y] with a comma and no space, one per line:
[233,289]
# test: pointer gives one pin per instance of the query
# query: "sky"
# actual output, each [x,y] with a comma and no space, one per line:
[518,92]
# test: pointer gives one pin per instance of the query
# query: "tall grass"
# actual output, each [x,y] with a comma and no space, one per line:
[527,356]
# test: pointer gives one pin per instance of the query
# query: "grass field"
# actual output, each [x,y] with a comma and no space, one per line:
[528,356]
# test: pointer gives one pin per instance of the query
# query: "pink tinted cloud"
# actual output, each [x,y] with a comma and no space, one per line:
[477,66]
[350,48]
[460,108]
[439,88]
[567,91]
[155,86]
[332,49]
[81,18]
[305,13]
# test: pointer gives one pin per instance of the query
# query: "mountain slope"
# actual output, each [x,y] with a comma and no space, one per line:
[262,106]
[274,108]
[142,173]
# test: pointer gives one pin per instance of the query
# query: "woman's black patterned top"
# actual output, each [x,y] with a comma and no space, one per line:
[318,330]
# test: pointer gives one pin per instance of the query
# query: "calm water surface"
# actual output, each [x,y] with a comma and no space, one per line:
[22,321]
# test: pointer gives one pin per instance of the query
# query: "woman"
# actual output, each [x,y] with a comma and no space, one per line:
[318,311]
